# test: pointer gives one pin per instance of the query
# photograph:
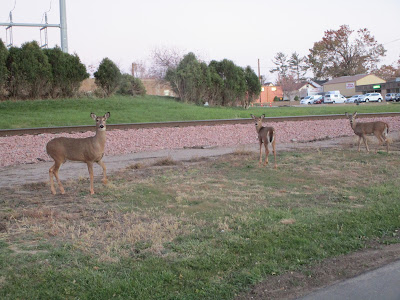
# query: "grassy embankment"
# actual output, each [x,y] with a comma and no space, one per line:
[48,113]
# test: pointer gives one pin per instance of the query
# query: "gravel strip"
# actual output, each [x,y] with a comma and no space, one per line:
[32,148]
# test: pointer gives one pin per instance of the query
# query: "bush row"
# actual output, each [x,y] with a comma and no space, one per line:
[30,72]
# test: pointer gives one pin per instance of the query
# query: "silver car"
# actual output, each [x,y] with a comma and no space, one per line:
[390,97]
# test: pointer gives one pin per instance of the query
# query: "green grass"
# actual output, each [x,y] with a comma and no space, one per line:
[68,112]
[201,231]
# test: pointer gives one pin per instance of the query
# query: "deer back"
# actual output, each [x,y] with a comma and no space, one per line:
[369,127]
[84,149]
[266,134]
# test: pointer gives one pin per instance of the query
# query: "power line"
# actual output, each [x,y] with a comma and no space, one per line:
[392,41]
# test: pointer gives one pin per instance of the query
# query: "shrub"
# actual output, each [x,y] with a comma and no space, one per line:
[29,71]
[131,86]
[276,98]
[67,72]
[296,98]
[108,76]
[3,68]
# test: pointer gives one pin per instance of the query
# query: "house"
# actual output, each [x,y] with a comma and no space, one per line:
[347,85]
[308,88]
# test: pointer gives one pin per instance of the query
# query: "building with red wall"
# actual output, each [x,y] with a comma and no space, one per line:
[269,92]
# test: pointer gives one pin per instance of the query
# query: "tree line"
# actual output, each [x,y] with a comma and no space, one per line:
[29,72]
[217,83]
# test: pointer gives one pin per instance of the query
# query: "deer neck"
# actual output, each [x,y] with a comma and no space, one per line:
[353,124]
[100,137]
[259,127]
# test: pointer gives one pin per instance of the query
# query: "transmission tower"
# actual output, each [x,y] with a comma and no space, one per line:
[43,28]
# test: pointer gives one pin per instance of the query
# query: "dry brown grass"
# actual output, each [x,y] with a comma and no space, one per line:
[166,161]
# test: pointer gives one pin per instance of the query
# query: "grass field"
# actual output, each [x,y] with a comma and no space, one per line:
[203,229]
[48,113]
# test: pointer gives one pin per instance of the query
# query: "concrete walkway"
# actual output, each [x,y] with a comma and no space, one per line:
[382,283]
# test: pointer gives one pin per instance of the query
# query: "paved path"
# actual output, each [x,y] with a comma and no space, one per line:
[382,283]
[39,172]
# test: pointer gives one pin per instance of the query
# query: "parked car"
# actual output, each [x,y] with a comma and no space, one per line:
[319,100]
[361,98]
[307,100]
[373,97]
[397,97]
[390,97]
[334,98]
[353,99]
[310,99]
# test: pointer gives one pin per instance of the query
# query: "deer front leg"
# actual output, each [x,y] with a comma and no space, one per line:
[260,161]
[359,143]
[365,142]
[90,169]
[102,164]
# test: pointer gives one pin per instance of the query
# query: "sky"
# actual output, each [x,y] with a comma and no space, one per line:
[243,31]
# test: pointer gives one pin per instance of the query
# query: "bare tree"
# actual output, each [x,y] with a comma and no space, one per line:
[163,59]
[289,86]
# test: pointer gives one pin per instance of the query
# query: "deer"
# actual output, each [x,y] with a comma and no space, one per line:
[89,150]
[266,135]
[378,128]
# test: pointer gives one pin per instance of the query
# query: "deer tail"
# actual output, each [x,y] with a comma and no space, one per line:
[272,136]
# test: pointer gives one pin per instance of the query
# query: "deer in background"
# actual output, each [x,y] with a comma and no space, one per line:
[89,150]
[379,129]
[266,135]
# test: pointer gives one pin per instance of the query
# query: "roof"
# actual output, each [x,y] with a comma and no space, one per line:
[346,79]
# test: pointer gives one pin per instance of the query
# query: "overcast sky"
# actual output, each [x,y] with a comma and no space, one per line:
[240,30]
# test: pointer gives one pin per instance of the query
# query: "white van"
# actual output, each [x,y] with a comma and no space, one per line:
[334,98]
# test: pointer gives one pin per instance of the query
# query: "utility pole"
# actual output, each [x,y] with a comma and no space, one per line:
[259,78]
[62,26]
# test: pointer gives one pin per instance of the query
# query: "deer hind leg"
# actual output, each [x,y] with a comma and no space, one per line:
[381,141]
[54,171]
[90,169]
[382,137]
[266,153]
[102,164]
[274,151]
[260,160]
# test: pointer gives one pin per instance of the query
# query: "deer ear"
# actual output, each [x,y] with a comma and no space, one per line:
[252,116]
[263,116]
[107,115]
[346,114]
[355,114]
[93,116]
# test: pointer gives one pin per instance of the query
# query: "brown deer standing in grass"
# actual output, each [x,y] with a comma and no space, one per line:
[379,129]
[266,135]
[88,150]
